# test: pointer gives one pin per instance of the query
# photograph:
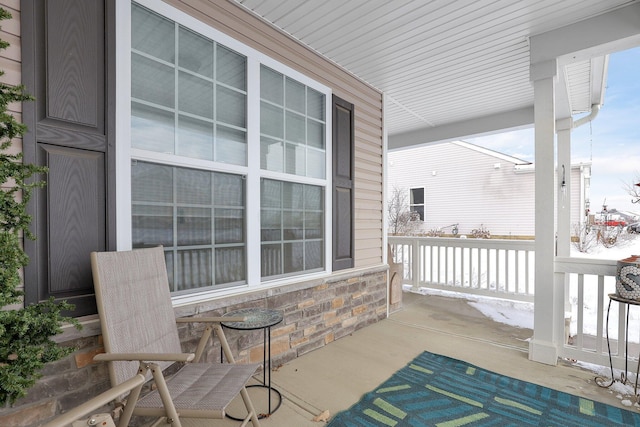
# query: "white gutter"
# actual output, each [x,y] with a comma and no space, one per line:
[595,109]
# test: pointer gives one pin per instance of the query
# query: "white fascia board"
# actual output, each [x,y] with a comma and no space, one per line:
[529,168]
[596,36]
[489,152]
[480,126]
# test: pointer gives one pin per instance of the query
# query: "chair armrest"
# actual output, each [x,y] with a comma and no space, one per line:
[215,323]
[210,319]
[156,357]
[98,401]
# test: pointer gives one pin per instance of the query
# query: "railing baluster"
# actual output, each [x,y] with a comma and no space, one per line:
[525,273]
[415,270]
[516,272]
[511,280]
[462,269]
[425,275]
[490,269]
[432,265]
[580,305]
[473,276]
[446,266]
[498,275]
[600,334]
[443,262]
[480,269]
[437,265]
[444,251]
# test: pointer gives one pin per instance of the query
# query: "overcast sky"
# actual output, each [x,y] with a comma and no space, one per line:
[611,143]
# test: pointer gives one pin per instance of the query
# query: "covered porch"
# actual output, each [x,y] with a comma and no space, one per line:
[457,89]
[459,71]
[335,377]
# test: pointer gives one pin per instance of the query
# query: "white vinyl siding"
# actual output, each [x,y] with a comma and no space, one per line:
[467,187]
[473,186]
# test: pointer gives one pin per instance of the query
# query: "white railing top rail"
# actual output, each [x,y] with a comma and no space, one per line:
[600,267]
[511,244]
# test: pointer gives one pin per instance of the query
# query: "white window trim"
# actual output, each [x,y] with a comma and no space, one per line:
[125,153]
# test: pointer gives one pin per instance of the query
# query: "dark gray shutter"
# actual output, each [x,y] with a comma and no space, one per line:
[343,211]
[67,48]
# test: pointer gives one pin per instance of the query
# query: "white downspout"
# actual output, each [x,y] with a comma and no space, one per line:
[595,109]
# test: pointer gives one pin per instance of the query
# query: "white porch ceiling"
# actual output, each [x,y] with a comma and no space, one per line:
[441,62]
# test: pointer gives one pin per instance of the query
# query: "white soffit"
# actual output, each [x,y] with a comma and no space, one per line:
[441,63]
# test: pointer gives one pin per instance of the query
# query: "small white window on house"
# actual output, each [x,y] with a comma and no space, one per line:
[416,203]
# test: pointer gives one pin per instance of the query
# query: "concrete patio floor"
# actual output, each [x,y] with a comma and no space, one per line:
[334,377]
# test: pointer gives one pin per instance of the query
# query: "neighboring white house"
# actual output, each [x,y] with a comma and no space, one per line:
[461,183]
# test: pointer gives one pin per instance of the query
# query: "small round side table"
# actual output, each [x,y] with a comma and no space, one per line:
[259,318]
[624,377]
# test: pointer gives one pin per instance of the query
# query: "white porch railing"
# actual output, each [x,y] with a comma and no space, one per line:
[505,269]
[588,282]
[491,267]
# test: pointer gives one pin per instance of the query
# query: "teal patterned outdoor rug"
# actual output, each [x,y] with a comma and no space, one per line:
[435,390]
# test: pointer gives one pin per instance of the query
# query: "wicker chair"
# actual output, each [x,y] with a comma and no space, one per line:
[140,335]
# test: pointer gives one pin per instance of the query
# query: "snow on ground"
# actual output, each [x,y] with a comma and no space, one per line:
[514,313]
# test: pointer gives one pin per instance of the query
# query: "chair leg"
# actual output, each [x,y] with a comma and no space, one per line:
[170,409]
[224,343]
[132,399]
[250,409]
[127,412]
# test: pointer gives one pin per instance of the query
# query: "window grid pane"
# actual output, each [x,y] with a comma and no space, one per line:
[191,47]
[292,126]
[186,100]
[199,218]
[153,34]
[292,228]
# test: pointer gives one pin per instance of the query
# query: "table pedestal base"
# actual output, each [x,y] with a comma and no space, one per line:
[273,396]
[624,376]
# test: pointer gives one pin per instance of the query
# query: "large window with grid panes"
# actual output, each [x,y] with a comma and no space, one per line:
[224,168]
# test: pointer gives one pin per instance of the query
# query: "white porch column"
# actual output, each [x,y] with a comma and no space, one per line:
[543,347]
